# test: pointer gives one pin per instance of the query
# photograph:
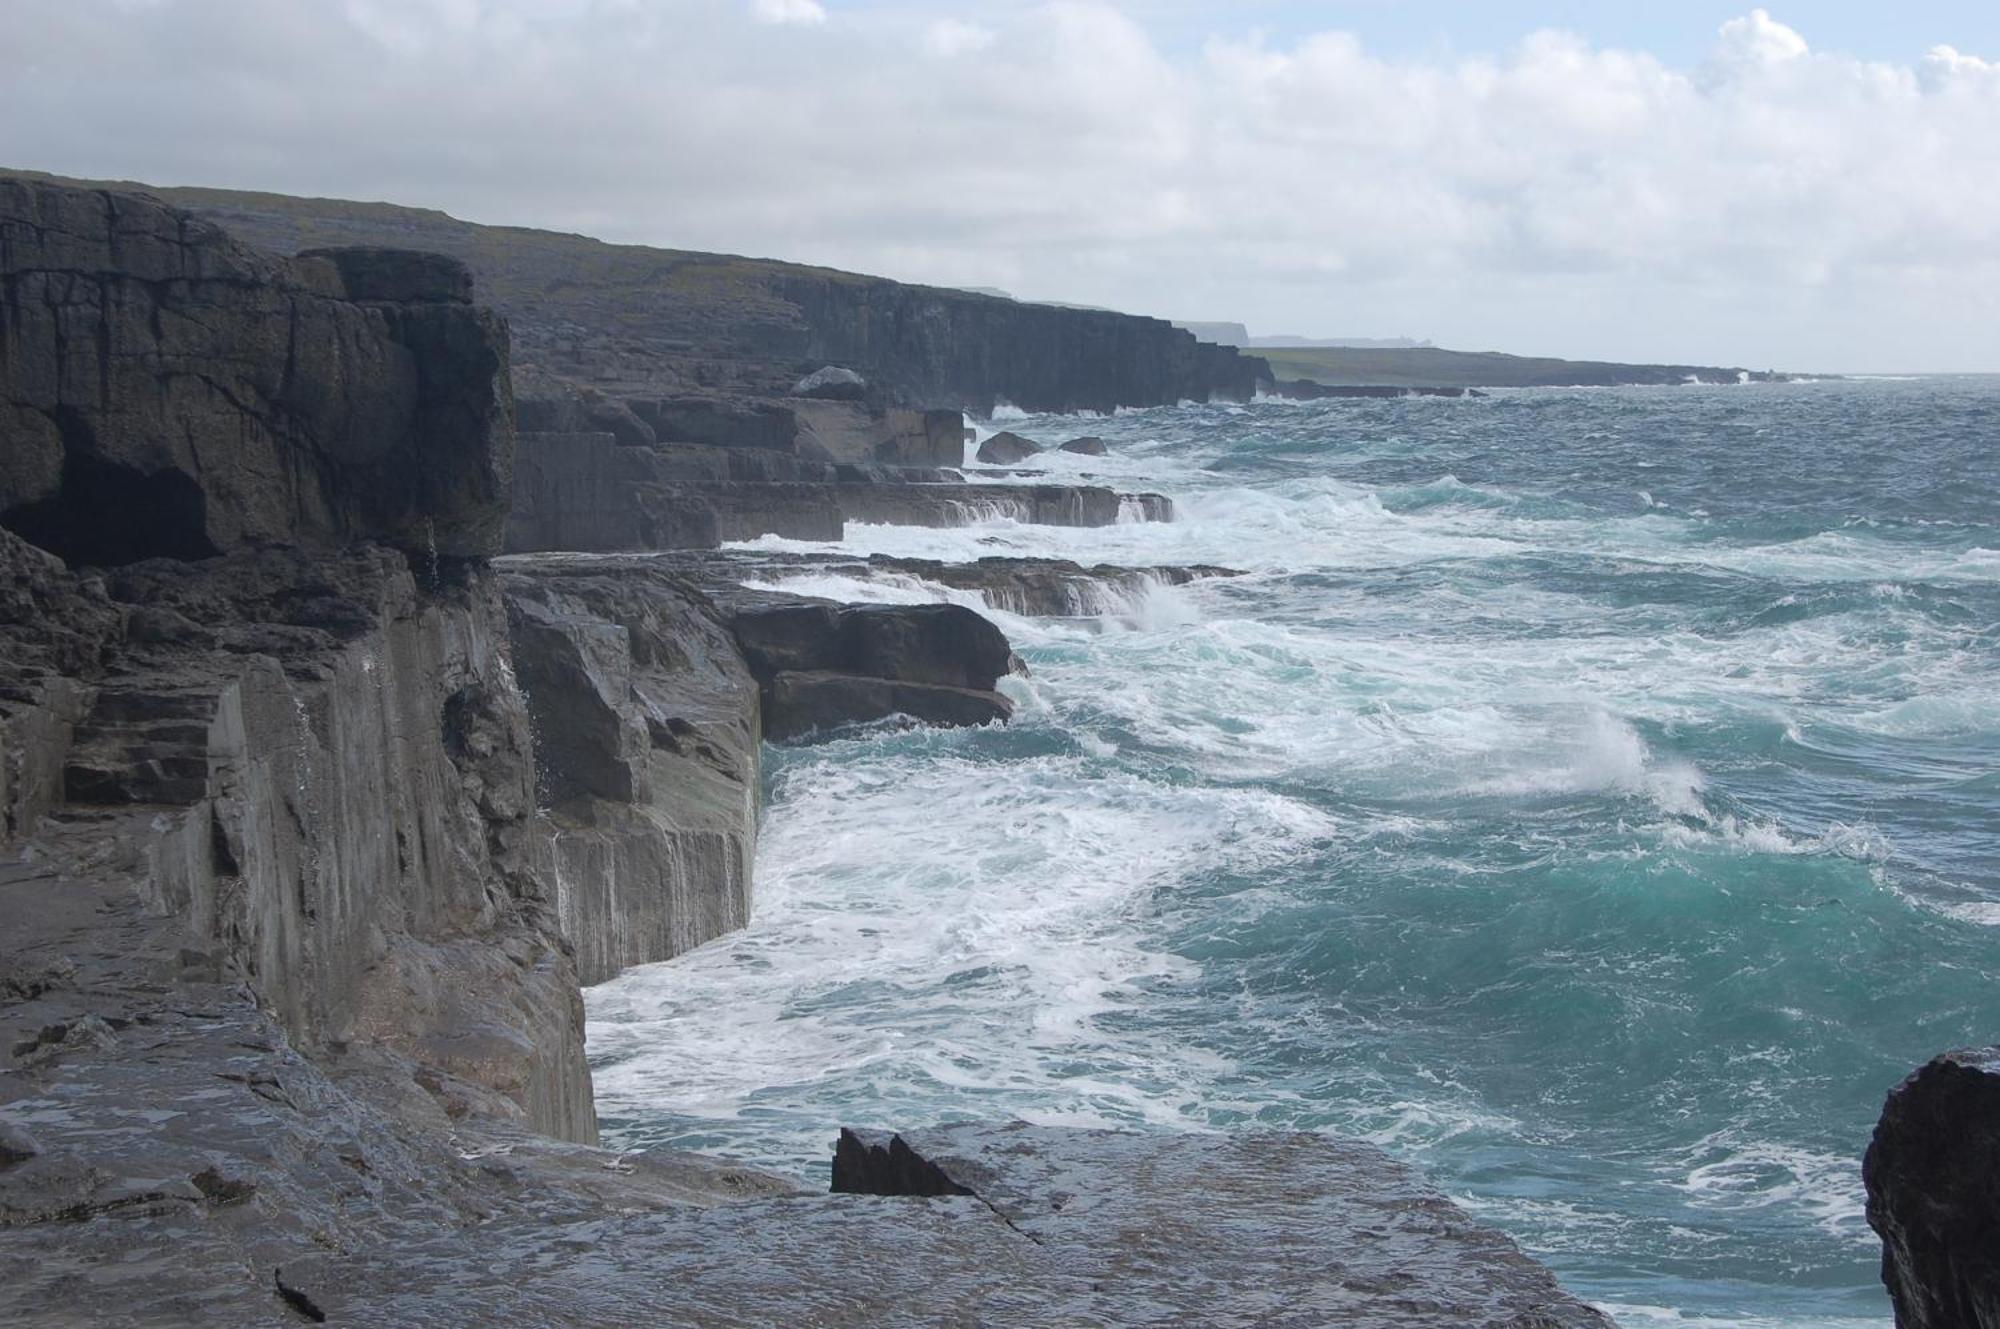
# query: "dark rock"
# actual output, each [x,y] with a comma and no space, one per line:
[585,492]
[794,511]
[1303,389]
[1006,448]
[545,403]
[400,276]
[1087,446]
[647,721]
[966,504]
[167,391]
[660,322]
[1933,1178]
[832,384]
[1243,1229]
[941,644]
[800,704]
[16,1145]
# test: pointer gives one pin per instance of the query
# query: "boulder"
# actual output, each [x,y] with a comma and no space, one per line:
[1088,446]
[801,704]
[943,644]
[832,384]
[166,391]
[1006,448]
[1933,1178]
[399,276]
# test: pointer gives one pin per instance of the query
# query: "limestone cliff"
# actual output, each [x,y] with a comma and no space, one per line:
[641,321]
[166,391]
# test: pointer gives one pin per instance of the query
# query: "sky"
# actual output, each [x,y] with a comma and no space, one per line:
[1812,186]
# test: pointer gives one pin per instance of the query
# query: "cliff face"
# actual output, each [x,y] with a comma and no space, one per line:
[317,719]
[974,351]
[642,321]
[1933,1177]
[647,726]
[166,391]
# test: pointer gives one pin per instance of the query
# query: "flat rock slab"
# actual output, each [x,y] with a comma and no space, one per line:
[1258,1229]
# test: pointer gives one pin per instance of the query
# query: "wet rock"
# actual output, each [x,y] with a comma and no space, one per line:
[942,644]
[1088,446]
[1933,1178]
[1006,448]
[1245,1229]
[798,704]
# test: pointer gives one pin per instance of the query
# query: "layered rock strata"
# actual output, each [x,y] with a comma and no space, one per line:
[587,491]
[1933,1178]
[1114,1228]
[647,733]
[291,917]
[1031,587]
[639,322]
[165,391]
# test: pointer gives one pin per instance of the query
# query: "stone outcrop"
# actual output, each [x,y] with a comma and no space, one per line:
[640,322]
[1933,1178]
[647,735]
[1007,448]
[823,666]
[307,839]
[1244,1229]
[331,775]
[1088,446]
[587,492]
[963,505]
[1032,587]
[168,392]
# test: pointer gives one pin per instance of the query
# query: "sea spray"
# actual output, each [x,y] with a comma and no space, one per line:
[1588,796]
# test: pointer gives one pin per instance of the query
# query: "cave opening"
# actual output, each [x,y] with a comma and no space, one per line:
[107,514]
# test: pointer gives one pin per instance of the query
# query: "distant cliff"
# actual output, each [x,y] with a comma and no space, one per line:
[641,321]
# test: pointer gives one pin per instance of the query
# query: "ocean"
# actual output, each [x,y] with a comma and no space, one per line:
[1591,796]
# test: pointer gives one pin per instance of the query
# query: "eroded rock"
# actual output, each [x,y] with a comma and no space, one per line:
[1933,1178]
[1007,448]
[167,391]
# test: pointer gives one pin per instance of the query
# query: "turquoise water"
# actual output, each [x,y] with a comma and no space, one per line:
[1591,796]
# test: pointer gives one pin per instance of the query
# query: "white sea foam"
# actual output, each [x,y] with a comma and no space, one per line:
[1727,1172]
[1010,892]
[986,925]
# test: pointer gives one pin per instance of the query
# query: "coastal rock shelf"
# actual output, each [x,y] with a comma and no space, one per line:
[588,491]
[316,814]
[1250,1229]
[1031,587]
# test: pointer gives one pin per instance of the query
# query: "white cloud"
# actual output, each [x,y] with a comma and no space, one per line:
[1775,205]
[1757,38]
[788,11]
[951,37]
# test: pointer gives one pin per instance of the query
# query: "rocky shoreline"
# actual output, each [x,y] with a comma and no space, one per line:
[349,729]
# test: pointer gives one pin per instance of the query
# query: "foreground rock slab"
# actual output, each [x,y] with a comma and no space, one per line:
[1260,1229]
[1933,1177]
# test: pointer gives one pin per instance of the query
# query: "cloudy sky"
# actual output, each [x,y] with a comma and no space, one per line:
[1814,187]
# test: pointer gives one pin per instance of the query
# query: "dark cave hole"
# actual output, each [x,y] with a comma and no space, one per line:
[107,514]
